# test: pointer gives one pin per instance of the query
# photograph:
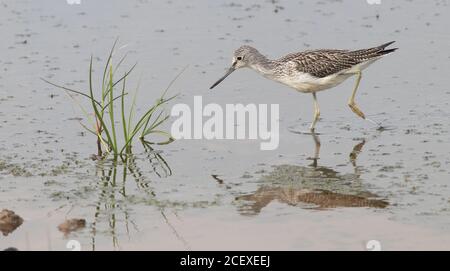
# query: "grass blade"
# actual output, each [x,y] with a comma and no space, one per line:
[94,106]
[111,110]
[124,122]
[70,90]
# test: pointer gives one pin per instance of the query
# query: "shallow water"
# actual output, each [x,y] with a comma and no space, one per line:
[360,185]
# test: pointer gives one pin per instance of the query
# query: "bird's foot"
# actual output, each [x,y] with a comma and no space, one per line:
[356,110]
[307,132]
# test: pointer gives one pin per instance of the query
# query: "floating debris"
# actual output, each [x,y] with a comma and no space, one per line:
[9,221]
[71,225]
[216,177]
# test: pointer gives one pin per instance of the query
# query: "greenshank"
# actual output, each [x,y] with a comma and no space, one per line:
[311,71]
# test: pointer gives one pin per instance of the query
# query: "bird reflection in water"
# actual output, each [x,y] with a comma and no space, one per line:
[313,186]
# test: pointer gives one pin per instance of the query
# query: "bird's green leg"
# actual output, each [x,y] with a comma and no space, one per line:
[351,102]
[316,113]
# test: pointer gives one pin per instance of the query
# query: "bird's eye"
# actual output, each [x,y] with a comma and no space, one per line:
[239,58]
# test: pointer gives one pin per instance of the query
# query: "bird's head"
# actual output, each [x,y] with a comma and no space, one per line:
[243,57]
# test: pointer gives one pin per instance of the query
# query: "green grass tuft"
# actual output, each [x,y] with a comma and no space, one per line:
[105,118]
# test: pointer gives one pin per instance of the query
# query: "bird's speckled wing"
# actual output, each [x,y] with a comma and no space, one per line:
[322,63]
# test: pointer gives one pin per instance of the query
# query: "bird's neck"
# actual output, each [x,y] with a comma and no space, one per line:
[263,65]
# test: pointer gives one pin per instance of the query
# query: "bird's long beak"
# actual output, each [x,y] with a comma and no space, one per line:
[230,70]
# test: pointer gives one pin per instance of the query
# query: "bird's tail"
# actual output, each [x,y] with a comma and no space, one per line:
[374,52]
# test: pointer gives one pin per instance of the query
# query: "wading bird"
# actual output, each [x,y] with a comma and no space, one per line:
[311,71]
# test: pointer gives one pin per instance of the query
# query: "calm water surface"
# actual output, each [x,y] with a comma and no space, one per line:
[361,184]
